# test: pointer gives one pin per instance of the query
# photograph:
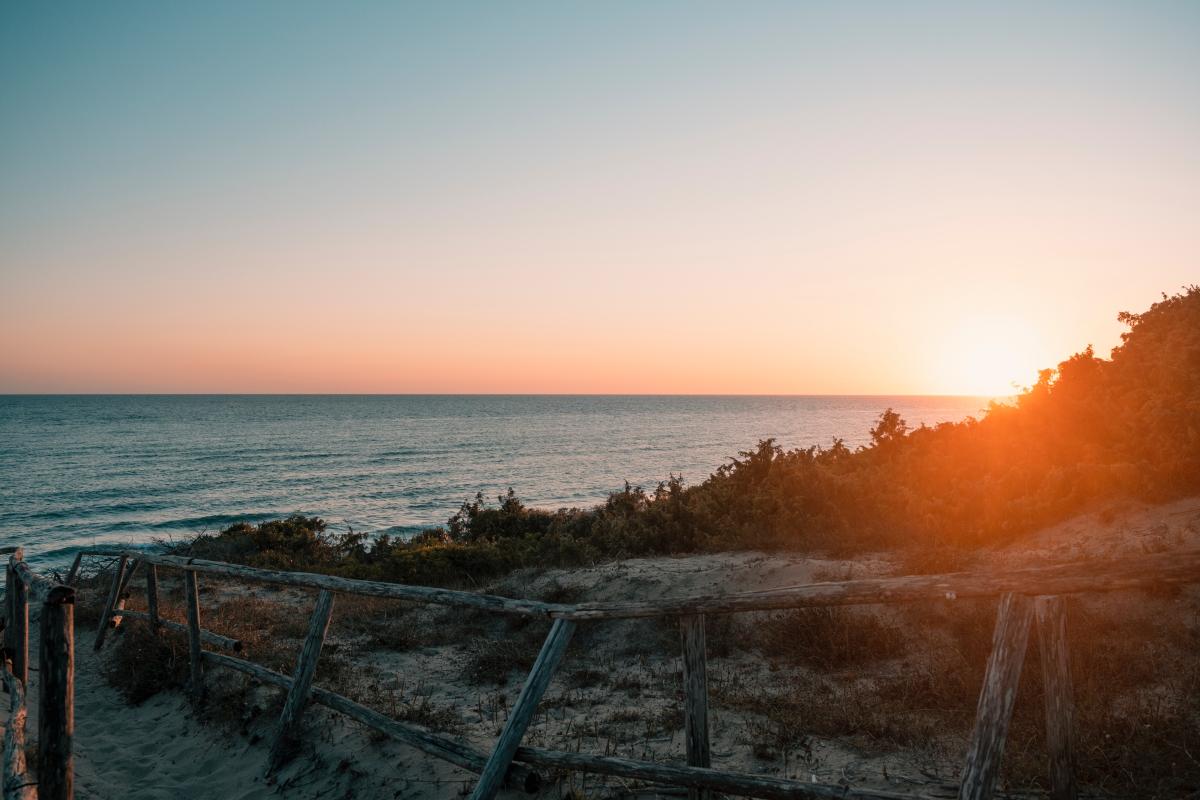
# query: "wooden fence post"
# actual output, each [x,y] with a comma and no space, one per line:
[695,704]
[9,578]
[18,619]
[1060,705]
[1009,643]
[192,601]
[492,777]
[306,666]
[123,594]
[56,696]
[14,780]
[152,595]
[73,573]
[111,603]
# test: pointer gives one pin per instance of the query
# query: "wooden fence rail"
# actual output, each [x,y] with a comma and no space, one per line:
[1026,596]
[16,784]
[56,683]
[434,744]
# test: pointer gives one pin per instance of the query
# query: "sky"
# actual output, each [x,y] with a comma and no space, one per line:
[616,197]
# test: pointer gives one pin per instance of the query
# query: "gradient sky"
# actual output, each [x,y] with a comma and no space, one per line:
[587,197]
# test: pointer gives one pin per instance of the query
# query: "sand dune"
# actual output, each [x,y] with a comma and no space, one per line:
[616,692]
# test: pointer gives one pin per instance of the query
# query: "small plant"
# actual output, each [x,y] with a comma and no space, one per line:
[145,662]
[494,661]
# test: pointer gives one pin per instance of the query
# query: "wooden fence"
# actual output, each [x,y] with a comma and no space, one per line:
[1028,597]
[56,682]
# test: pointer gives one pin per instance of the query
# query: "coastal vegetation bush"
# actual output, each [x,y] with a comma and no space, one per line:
[1089,432]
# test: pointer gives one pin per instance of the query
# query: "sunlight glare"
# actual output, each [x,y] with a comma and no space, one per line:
[992,356]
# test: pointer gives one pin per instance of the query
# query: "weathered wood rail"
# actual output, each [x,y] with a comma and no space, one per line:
[1029,597]
[56,683]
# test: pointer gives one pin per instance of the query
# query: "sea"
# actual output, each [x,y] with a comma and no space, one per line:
[82,471]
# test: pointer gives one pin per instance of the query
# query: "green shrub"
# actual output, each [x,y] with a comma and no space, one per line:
[1090,431]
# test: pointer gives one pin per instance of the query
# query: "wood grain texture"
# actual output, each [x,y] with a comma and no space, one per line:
[297,697]
[123,592]
[56,696]
[492,777]
[110,604]
[1051,617]
[14,779]
[420,594]
[1010,640]
[73,573]
[191,592]
[37,586]
[10,580]
[17,629]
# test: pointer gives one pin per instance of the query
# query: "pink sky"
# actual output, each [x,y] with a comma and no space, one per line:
[909,199]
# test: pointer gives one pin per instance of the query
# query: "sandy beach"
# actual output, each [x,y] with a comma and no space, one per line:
[617,693]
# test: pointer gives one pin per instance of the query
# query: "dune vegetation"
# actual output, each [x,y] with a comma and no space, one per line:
[1090,431]
[1090,435]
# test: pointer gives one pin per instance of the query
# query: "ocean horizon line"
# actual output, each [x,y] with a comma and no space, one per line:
[506,394]
[132,466]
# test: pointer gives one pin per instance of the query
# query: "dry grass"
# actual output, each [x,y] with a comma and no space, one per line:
[272,627]
[402,701]
[588,677]
[1137,689]
[495,659]
[876,714]
[823,638]
[898,679]
[1137,694]
[145,663]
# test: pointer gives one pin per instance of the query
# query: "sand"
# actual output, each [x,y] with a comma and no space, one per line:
[160,750]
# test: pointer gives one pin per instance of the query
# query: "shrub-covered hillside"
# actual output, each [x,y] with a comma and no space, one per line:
[1090,431]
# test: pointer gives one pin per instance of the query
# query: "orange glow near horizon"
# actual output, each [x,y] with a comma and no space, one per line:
[987,357]
[917,198]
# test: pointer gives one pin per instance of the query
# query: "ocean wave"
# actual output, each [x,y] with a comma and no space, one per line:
[125,470]
[217,521]
[92,510]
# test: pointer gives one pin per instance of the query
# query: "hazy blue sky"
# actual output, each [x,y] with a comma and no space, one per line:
[735,197]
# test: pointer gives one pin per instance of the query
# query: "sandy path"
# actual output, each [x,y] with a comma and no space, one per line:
[153,751]
[160,751]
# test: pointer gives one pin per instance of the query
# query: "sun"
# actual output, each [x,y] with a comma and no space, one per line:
[989,356]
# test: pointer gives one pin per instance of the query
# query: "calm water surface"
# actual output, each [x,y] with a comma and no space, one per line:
[90,470]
